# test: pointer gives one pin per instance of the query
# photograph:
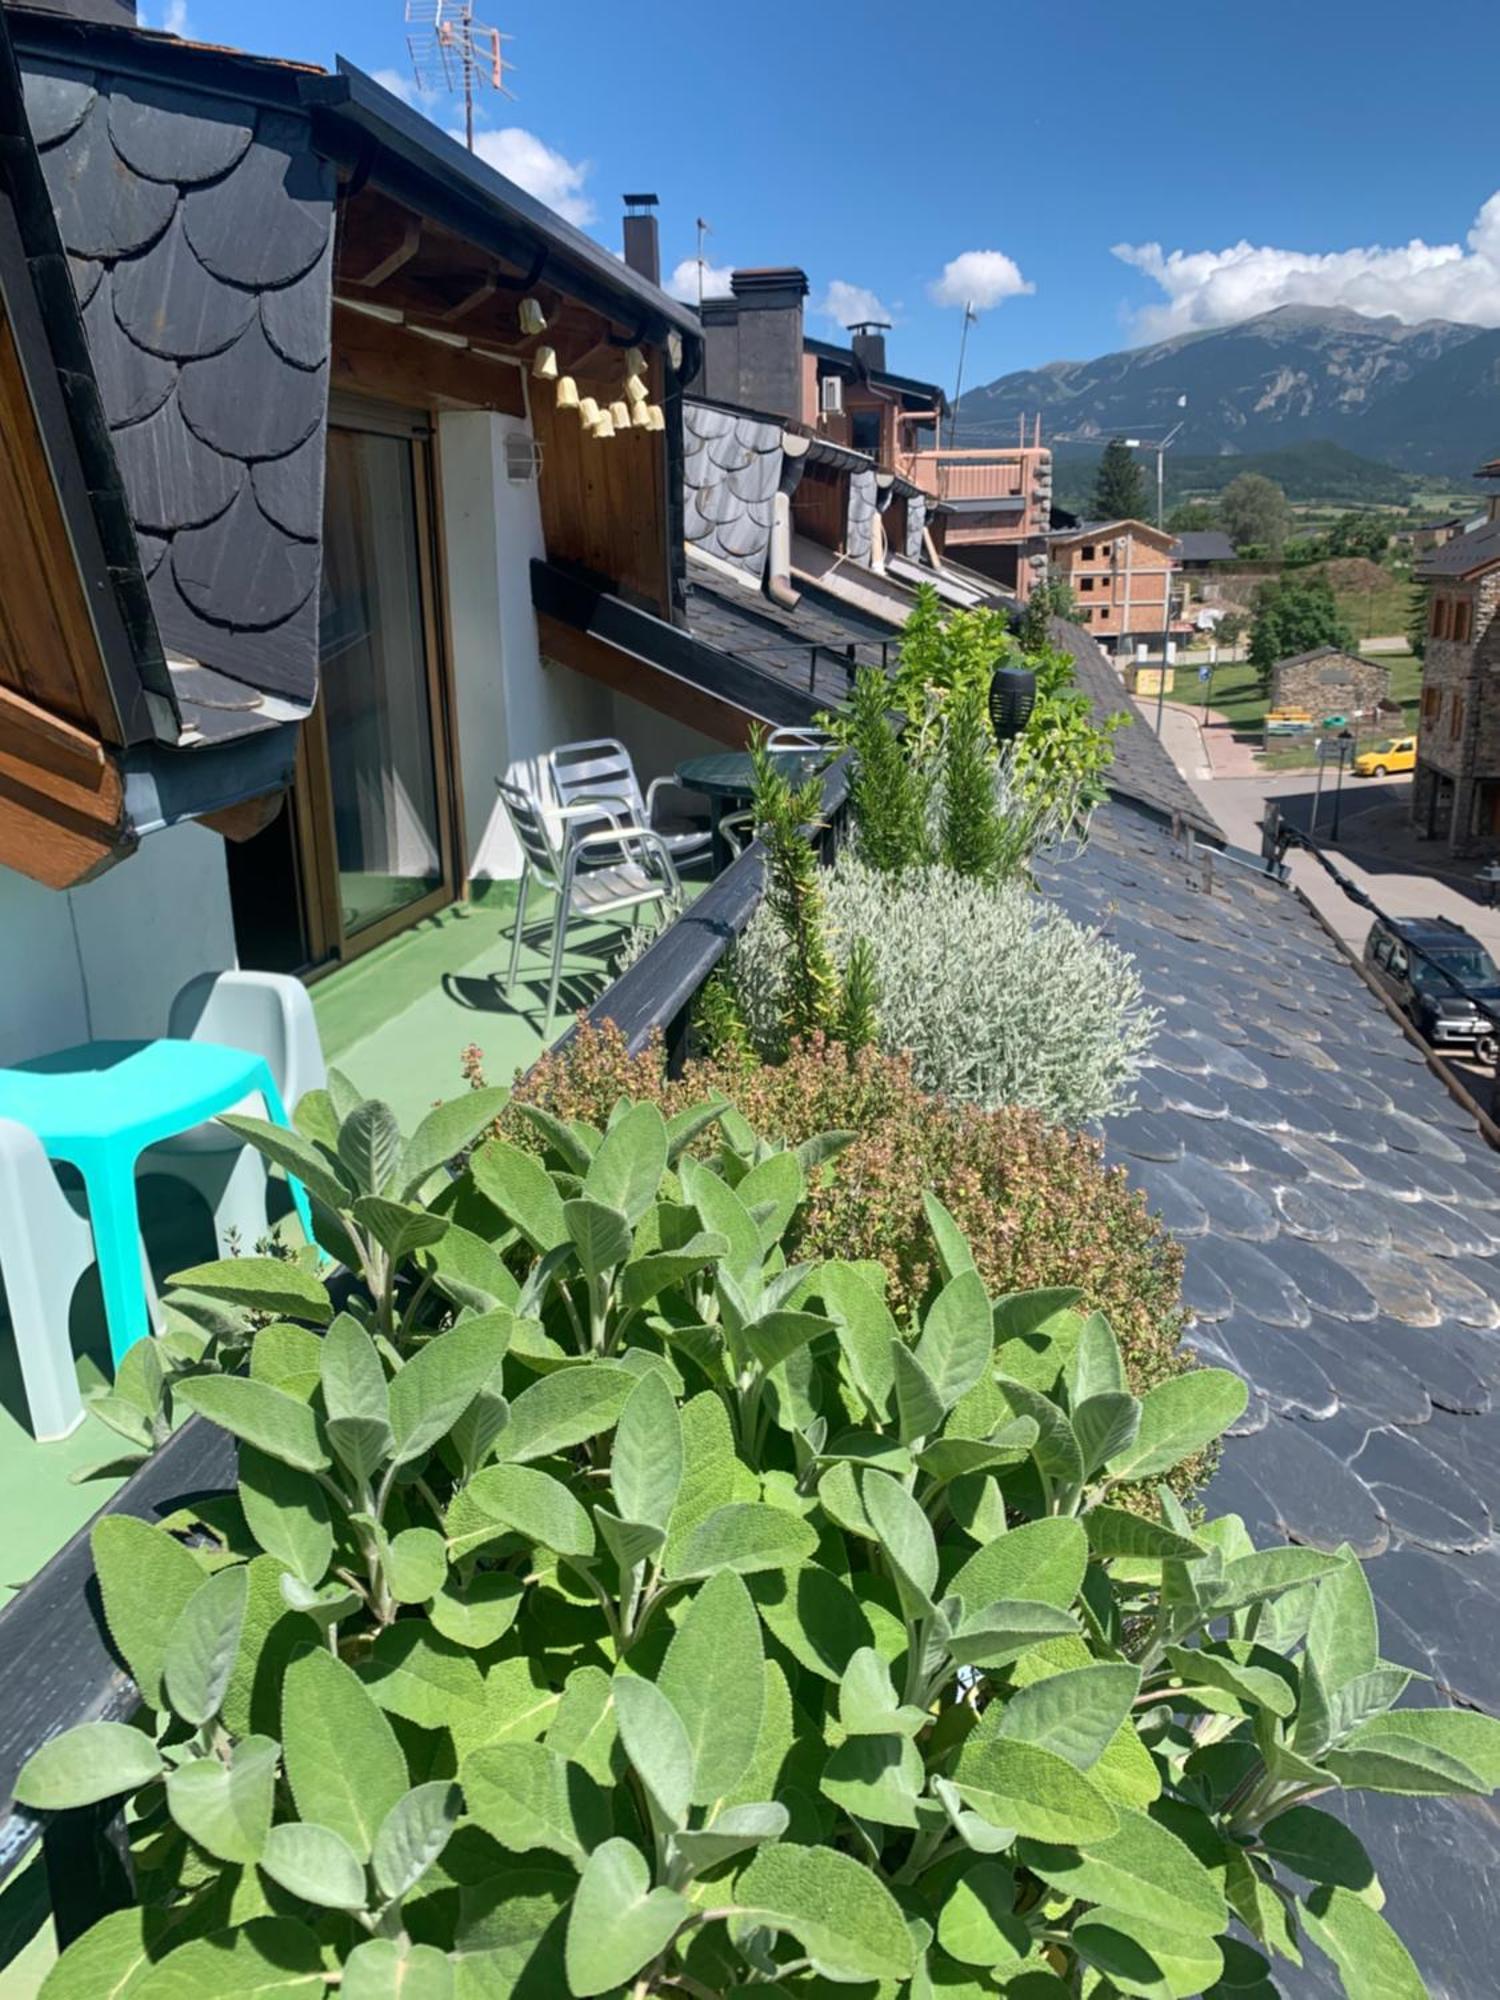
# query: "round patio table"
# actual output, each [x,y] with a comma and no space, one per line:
[727,777]
[99,1107]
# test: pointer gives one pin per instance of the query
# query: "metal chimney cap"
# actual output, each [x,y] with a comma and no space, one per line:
[640,200]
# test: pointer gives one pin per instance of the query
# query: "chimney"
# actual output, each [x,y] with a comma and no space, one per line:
[869,343]
[642,246]
[753,341]
[114,13]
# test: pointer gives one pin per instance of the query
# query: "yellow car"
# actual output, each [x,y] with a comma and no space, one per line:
[1400,754]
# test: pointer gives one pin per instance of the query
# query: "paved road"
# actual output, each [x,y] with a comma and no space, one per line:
[1375,847]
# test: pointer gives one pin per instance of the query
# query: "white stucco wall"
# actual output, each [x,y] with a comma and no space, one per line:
[104,961]
[512,705]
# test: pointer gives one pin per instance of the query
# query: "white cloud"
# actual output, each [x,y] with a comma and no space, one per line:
[401,85]
[683,282]
[534,165]
[846,305]
[980,278]
[173,21]
[1415,280]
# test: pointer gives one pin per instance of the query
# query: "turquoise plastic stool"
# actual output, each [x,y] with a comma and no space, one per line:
[99,1107]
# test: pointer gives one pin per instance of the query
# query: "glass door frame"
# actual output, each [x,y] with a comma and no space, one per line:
[329,945]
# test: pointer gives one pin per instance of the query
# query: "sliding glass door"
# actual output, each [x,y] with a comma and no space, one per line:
[365,846]
[386,796]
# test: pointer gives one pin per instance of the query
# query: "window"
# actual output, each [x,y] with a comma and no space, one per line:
[864,432]
[1463,621]
[1455,713]
[1439,624]
[1432,701]
[1086,583]
[1087,552]
[1382,951]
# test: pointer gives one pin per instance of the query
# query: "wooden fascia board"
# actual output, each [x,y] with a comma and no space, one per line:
[62,798]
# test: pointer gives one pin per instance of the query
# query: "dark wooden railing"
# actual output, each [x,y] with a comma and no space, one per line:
[56,1665]
[656,993]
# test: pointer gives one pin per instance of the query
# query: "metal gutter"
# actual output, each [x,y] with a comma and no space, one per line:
[450,184]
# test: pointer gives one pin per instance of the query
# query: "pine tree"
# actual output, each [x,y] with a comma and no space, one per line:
[1119,489]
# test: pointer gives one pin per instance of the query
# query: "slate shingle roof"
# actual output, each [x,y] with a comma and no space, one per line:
[731,473]
[200,234]
[1464,553]
[778,641]
[1204,545]
[1340,1216]
[1142,771]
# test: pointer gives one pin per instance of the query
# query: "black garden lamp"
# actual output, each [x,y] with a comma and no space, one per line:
[1012,698]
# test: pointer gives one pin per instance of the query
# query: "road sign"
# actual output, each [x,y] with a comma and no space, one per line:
[1205,673]
[1335,749]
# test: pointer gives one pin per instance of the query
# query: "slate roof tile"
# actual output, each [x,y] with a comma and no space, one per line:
[1362,1308]
[176,136]
[209,332]
[167,302]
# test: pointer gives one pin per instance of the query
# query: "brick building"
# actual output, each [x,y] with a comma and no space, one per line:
[1328,681]
[1121,576]
[1455,791]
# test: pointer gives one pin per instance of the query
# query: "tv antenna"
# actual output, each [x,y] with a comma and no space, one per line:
[454,55]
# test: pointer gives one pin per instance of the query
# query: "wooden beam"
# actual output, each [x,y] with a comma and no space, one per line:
[626,674]
[49,649]
[248,818]
[62,800]
[399,365]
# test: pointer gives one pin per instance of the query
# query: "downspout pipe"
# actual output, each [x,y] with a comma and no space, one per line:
[779,587]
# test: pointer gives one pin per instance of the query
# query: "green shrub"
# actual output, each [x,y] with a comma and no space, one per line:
[662,1616]
[997,997]
[888,787]
[1034,1199]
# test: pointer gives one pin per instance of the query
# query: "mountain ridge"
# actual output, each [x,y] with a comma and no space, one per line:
[1424,396]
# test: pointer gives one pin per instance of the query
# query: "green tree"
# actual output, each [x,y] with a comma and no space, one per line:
[1119,489]
[1291,616]
[1191,517]
[1231,629]
[1255,512]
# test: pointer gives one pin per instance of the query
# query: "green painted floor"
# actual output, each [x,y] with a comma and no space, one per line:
[41,1503]
[397,1021]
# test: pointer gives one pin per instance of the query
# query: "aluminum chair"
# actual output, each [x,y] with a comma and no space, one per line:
[799,739]
[600,769]
[598,871]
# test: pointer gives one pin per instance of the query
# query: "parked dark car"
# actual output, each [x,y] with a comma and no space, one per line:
[1450,1011]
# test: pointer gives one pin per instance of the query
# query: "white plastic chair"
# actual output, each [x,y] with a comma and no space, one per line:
[600,770]
[46,1244]
[272,1015]
[634,868]
[45,1247]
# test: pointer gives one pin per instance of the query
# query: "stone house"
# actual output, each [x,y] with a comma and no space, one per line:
[1328,681]
[1455,792]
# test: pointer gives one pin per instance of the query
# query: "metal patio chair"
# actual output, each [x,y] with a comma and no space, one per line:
[601,769]
[596,871]
[799,739]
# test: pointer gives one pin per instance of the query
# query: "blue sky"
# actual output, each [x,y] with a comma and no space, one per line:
[1323,152]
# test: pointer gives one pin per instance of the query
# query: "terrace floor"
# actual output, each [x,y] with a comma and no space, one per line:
[396,1022]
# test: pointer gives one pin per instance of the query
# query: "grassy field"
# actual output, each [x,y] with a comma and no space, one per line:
[1234,692]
